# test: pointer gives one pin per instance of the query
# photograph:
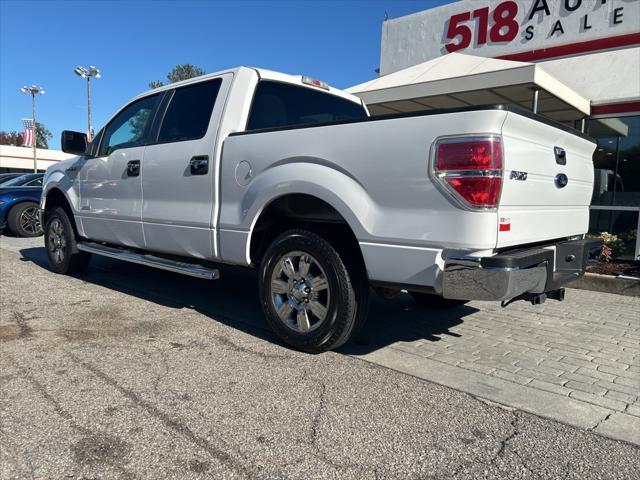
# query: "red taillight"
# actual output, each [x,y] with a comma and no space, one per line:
[469,155]
[478,191]
[471,169]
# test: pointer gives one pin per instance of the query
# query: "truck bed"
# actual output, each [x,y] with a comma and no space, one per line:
[375,172]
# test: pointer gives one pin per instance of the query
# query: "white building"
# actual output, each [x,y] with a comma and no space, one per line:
[20,159]
[575,61]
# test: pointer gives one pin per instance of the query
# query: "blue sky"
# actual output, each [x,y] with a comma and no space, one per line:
[134,42]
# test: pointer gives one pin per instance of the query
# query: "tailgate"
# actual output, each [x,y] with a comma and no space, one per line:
[542,198]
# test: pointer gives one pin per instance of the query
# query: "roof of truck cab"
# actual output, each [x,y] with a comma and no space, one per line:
[263,73]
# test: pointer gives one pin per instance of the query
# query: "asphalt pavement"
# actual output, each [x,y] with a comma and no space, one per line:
[130,372]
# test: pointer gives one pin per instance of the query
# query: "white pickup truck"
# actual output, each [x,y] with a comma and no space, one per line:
[292,177]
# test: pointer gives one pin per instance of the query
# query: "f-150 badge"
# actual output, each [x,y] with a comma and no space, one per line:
[516,175]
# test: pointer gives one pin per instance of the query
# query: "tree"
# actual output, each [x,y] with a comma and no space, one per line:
[10,138]
[43,135]
[138,123]
[179,73]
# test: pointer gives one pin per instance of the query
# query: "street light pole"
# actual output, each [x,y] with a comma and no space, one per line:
[87,73]
[89,132]
[34,90]
[35,133]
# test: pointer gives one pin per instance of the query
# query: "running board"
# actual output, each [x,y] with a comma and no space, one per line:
[190,269]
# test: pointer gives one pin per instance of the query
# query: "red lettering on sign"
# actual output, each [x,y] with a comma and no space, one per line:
[502,21]
[456,29]
[482,15]
[504,29]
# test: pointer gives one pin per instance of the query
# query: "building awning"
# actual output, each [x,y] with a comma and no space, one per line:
[458,80]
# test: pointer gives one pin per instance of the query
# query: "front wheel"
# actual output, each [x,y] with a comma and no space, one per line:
[24,220]
[311,300]
[60,243]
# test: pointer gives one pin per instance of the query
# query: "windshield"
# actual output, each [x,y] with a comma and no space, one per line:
[6,179]
[19,181]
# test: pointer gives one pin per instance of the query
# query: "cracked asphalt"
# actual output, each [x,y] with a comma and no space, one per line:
[135,373]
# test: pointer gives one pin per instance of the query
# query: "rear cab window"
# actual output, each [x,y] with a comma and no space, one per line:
[278,104]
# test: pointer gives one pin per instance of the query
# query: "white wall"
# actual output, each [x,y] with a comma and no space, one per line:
[603,77]
[416,38]
[22,157]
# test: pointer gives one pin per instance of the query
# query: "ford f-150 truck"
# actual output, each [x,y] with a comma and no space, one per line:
[292,177]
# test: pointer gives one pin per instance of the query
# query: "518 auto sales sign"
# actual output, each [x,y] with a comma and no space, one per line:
[497,28]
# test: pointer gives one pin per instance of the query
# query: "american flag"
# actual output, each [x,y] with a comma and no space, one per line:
[27,135]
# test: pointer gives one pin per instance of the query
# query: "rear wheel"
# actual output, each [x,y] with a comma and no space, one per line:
[435,301]
[24,220]
[311,300]
[60,243]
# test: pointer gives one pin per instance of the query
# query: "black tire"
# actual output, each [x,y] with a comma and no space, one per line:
[24,220]
[60,244]
[340,294]
[435,301]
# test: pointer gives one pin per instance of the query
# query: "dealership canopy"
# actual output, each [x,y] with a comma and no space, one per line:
[458,80]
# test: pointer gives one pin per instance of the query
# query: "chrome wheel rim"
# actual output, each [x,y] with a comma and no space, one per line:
[300,292]
[30,221]
[56,241]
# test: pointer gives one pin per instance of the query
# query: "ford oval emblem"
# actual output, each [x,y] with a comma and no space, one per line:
[561,180]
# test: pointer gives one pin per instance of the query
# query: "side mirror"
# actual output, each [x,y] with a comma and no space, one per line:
[74,142]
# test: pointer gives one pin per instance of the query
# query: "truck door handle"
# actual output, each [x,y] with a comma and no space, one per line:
[199,165]
[133,168]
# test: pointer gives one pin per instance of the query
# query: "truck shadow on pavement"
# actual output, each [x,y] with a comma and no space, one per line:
[233,301]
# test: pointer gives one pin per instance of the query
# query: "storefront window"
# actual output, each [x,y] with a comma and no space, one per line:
[617,181]
[622,225]
[616,160]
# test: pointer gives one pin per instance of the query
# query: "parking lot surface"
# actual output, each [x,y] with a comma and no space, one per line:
[130,372]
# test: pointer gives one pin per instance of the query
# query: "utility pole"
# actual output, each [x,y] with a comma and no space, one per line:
[34,90]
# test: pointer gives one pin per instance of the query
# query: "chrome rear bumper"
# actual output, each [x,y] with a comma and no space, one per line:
[466,279]
[508,275]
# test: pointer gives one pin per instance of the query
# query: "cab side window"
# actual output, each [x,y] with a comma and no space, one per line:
[130,126]
[189,112]
[95,144]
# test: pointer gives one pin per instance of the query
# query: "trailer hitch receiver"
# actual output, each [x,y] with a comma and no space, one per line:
[537,298]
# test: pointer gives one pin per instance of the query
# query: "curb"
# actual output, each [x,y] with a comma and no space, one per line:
[607,284]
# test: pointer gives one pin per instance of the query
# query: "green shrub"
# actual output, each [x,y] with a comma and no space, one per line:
[612,245]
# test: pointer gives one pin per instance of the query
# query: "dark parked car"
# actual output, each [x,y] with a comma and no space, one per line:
[20,204]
